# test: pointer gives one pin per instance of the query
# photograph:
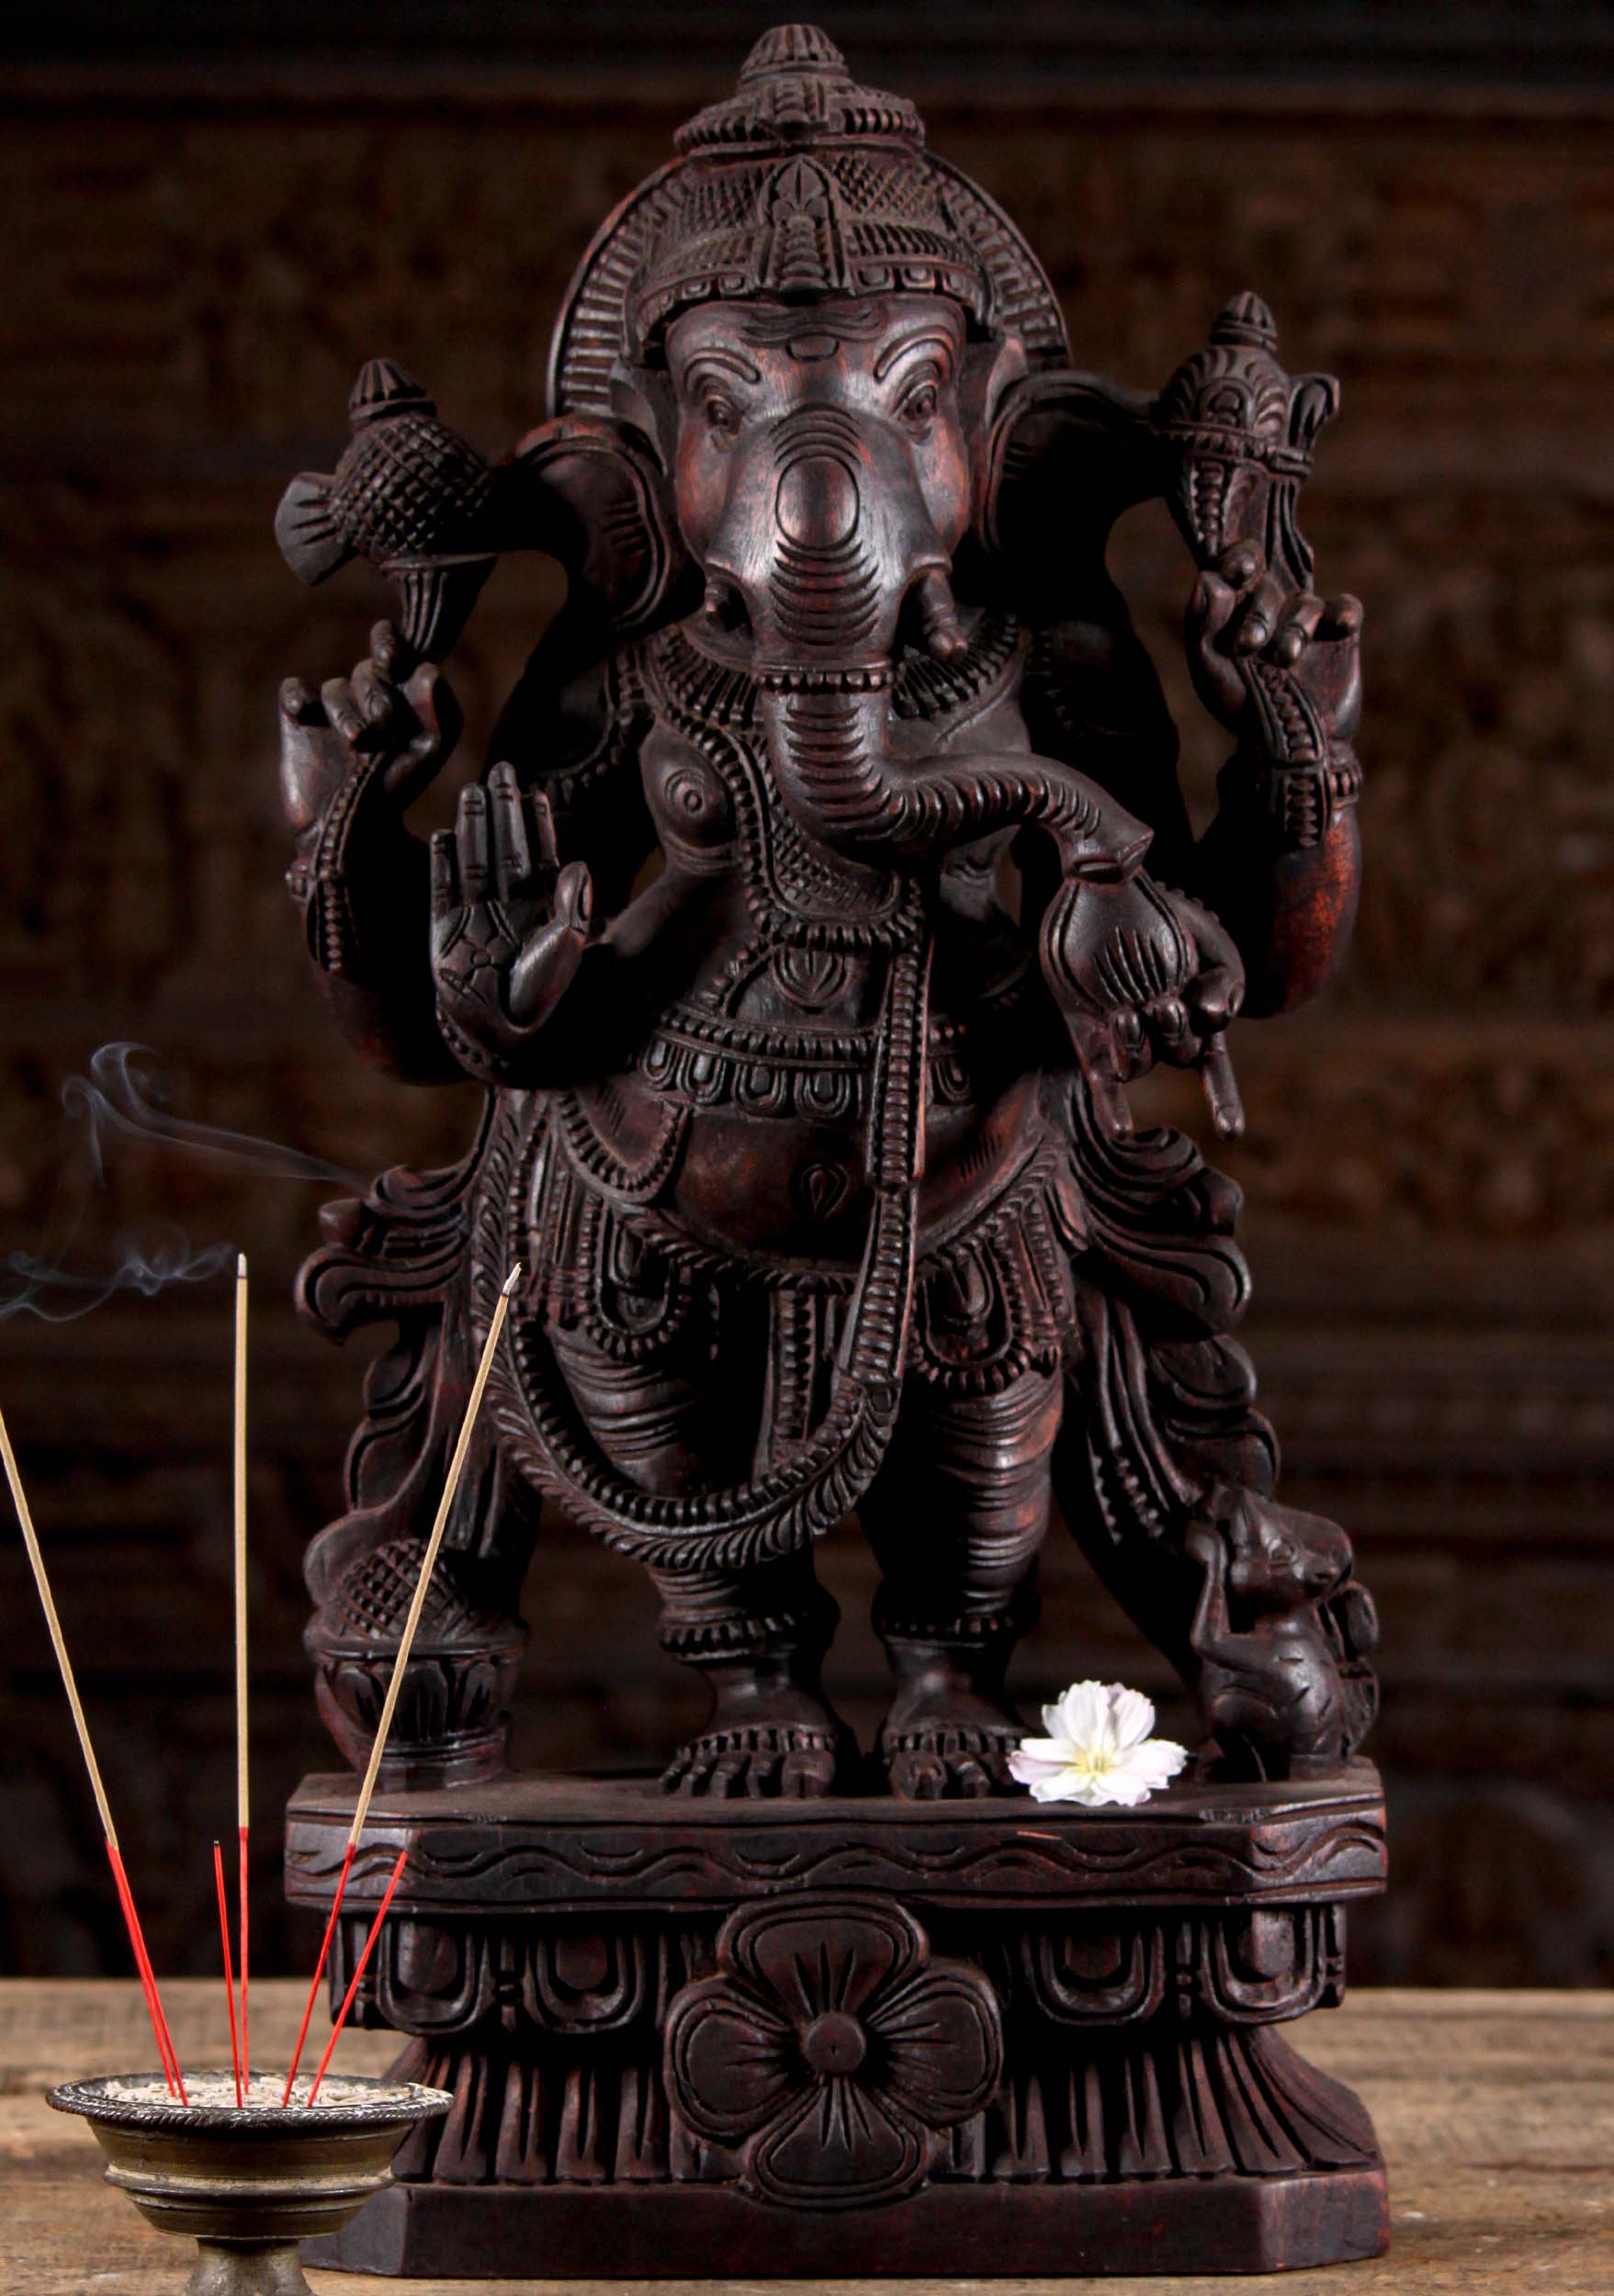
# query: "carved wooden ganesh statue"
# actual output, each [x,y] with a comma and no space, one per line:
[814,1145]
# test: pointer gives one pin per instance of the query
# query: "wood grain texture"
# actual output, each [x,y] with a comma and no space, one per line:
[1496,2110]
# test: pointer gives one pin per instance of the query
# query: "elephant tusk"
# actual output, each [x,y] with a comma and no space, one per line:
[944,640]
[722,608]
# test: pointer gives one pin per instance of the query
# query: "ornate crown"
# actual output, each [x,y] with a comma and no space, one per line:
[802,184]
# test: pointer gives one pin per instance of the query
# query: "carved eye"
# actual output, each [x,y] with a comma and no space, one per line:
[722,417]
[918,410]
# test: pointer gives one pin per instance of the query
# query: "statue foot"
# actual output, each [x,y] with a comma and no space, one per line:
[939,1743]
[784,1759]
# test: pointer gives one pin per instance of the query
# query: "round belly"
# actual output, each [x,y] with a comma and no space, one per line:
[786,1190]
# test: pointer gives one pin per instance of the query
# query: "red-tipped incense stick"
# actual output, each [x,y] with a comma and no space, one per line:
[308,2007]
[348,1998]
[143,1961]
[390,1705]
[125,1895]
[240,1883]
[240,1734]
[229,1978]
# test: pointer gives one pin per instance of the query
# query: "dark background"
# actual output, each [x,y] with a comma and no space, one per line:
[212,213]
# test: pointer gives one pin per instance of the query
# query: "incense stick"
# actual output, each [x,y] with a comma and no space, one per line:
[104,1808]
[348,1998]
[418,1603]
[242,1811]
[241,1884]
[142,1963]
[229,1979]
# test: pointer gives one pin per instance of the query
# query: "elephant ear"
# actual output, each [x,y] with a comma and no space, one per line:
[641,397]
[1066,454]
[593,494]
[992,371]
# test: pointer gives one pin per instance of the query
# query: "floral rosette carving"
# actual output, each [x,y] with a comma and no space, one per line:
[829,2050]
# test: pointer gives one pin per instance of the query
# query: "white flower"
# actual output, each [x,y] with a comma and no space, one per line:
[1097,1750]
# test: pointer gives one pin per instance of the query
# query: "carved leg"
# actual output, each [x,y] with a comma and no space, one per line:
[758,1637]
[956,1519]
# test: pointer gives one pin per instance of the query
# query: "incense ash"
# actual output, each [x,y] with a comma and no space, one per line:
[214,2092]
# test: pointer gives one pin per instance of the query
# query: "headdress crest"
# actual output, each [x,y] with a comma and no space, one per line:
[801,184]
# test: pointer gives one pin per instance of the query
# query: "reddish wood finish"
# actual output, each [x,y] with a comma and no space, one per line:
[819,1158]
[817,1152]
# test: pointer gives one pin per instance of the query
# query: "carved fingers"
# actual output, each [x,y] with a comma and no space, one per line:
[1214,996]
[509,925]
[1240,616]
[1144,975]
[367,708]
[314,760]
[1105,1068]
[393,714]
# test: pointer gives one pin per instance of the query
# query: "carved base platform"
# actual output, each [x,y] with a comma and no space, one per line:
[859,2037]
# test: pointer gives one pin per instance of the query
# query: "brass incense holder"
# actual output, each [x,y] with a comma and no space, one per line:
[248,2182]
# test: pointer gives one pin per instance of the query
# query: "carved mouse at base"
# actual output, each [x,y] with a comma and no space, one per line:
[1270,1686]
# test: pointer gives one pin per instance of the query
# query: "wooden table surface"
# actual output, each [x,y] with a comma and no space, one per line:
[1496,2111]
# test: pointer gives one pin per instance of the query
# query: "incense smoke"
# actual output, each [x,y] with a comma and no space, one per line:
[113,1102]
[116,1103]
[35,1284]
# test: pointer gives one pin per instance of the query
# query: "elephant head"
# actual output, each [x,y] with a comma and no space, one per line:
[822,474]
[828,456]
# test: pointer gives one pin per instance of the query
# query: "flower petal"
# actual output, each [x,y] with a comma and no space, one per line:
[1151,1764]
[1132,1717]
[1083,1716]
[1043,1772]
[842,2144]
[1065,1785]
[810,1965]
[1040,1753]
[729,2059]
[1118,1789]
[943,2049]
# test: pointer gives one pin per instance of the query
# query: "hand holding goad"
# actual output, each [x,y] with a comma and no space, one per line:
[1141,975]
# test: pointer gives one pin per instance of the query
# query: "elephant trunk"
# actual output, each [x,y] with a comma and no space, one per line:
[831,743]
[827,544]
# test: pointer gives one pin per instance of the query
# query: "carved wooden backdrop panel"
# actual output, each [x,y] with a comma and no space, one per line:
[194,280]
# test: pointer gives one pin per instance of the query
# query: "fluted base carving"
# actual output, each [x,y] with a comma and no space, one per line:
[867,2036]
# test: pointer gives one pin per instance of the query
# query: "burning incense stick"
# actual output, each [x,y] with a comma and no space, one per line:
[229,1979]
[115,1856]
[348,1998]
[390,1706]
[241,1813]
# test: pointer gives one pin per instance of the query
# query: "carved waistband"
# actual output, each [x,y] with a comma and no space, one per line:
[709,1062]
